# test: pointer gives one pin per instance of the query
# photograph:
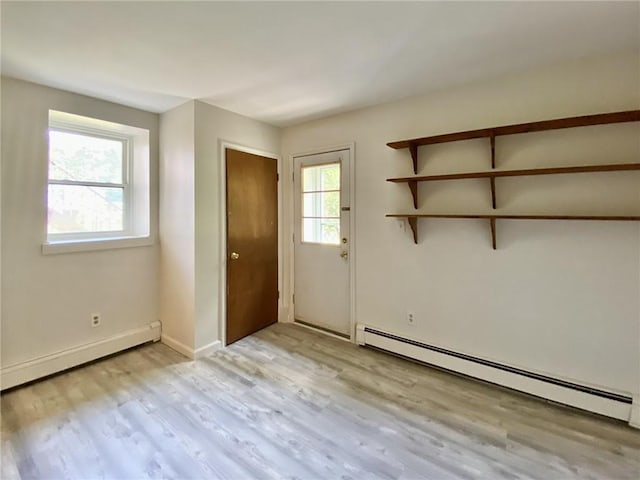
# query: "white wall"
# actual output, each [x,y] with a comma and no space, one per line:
[557,297]
[48,299]
[177,225]
[191,175]
[213,126]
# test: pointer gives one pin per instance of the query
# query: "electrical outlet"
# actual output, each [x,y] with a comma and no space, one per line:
[95,319]
[411,319]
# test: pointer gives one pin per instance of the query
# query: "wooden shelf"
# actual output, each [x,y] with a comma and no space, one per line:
[412,219]
[493,132]
[493,174]
[518,173]
[556,124]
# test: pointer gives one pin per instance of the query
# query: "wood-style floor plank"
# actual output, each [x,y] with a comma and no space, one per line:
[288,402]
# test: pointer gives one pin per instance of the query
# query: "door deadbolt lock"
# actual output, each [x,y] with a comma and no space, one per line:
[344,254]
[344,239]
[235,256]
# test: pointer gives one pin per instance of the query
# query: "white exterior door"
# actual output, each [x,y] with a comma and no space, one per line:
[321,241]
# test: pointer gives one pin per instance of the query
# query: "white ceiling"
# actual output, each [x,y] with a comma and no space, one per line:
[284,63]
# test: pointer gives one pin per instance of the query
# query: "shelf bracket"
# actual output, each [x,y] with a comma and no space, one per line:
[492,139]
[492,224]
[413,149]
[413,186]
[492,182]
[413,223]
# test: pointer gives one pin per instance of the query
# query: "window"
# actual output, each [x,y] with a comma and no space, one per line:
[321,204]
[98,180]
[87,184]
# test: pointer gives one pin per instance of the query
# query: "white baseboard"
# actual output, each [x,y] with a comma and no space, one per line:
[360,340]
[56,362]
[207,349]
[188,351]
[634,417]
[177,346]
[540,388]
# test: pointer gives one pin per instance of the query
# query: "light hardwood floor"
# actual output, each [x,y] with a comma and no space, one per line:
[288,402]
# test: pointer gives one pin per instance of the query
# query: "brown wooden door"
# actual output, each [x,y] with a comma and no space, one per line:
[252,243]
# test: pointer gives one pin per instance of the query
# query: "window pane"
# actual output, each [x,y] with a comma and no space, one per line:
[77,208]
[330,175]
[74,156]
[321,177]
[321,230]
[325,204]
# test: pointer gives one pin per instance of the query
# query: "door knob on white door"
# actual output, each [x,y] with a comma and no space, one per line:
[235,256]
[344,254]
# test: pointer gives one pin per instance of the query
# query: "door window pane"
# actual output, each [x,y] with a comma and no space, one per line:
[85,158]
[321,204]
[321,230]
[321,178]
[80,208]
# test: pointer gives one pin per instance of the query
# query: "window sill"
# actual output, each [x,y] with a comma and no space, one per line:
[70,246]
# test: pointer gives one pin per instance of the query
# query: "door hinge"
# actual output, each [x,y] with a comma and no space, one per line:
[293,298]
[293,237]
[278,294]
[293,176]
[277,177]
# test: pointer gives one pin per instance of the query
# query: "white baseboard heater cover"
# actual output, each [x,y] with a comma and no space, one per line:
[611,404]
[17,374]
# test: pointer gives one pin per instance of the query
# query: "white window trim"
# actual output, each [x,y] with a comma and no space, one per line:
[52,248]
[91,241]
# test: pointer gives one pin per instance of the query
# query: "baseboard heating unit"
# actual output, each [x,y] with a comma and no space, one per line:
[618,405]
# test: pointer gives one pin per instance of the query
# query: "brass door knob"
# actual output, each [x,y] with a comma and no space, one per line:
[235,256]
[344,254]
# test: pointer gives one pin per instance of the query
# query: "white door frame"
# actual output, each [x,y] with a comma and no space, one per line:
[351,147]
[222,256]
